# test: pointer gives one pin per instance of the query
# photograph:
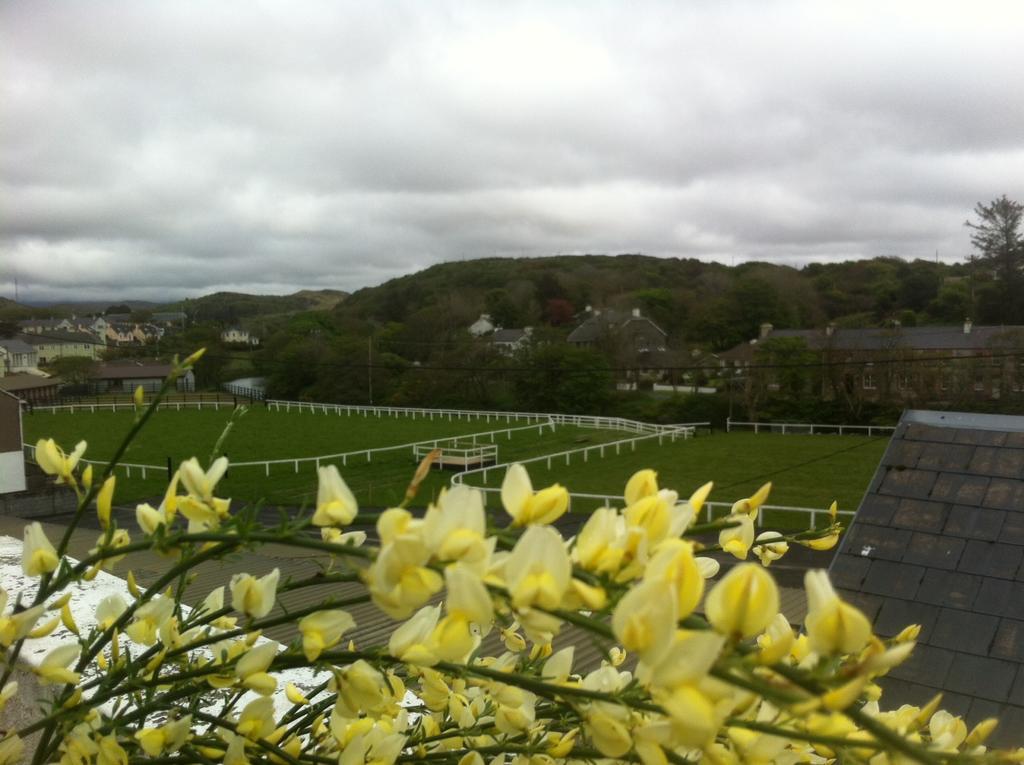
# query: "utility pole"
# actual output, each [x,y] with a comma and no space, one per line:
[369,367]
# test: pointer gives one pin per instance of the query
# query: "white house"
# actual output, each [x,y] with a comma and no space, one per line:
[12,460]
[481,326]
[17,356]
[238,335]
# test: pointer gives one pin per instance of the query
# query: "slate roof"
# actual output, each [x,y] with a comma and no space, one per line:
[27,382]
[508,335]
[939,541]
[61,336]
[594,328]
[886,339]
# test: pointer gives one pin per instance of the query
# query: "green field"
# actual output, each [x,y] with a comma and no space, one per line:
[805,471]
[263,434]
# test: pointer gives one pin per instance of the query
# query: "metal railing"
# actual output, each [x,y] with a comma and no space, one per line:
[807,428]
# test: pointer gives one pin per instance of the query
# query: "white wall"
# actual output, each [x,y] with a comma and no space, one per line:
[12,472]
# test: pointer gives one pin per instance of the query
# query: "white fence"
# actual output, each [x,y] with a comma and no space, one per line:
[806,428]
[452,415]
[679,431]
[118,406]
[434,443]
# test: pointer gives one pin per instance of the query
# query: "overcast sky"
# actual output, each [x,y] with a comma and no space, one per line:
[158,150]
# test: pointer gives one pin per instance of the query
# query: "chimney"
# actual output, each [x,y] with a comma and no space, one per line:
[830,329]
[636,313]
[766,330]
[967,326]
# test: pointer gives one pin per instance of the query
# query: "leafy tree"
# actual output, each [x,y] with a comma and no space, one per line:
[73,369]
[564,379]
[996,235]
[118,308]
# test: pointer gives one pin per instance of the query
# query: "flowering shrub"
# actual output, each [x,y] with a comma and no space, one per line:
[736,685]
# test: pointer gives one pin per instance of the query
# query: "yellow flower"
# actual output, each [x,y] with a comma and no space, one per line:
[119,538]
[104,500]
[693,717]
[674,563]
[213,603]
[411,642]
[201,484]
[294,695]
[947,731]
[150,518]
[653,514]
[454,528]
[251,669]
[558,668]
[776,641]
[832,625]
[743,602]
[399,580]
[598,546]
[54,461]
[538,570]
[38,556]
[110,752]
[609,734]
[54,666]
[644,621]
[168,738]
[643,483]
[737,540]
[254,597]
[527,507]
[8,692]
[751,504]
[772,547]
[826,542]
[323,629]
[149,618]
[257,719]
[15,626]
[12,749]
[335,503]
[689,658]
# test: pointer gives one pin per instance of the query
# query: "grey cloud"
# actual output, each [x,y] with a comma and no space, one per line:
[165,149]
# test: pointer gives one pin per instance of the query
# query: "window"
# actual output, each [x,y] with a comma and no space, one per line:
[869,377]
[979,383]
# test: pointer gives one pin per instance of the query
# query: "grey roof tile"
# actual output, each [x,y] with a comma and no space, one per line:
[934,550]
[1008,642]
[939,540]
[895,615]
[991,559]
[1007,463]
[961,489]
[980,676]
[951,588]
[927,665]
[954,457]
[1005,494]
[975,522]
[909,483]
[877,541]
[964,631]
[920,515]
[897,580]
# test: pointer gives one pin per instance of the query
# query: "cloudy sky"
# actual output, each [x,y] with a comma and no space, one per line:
[157,150]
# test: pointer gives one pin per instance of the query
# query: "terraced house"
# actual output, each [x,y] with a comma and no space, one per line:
[939,364]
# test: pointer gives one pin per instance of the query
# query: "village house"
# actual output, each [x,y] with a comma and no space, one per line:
[32,388]
[895,363]
[238,335]
[482,326]
[45,326]
[63,343]
[128,374]
[510,341]
[17,356]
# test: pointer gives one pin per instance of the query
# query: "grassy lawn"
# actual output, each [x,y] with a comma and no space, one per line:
[263,434]
[805,471]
